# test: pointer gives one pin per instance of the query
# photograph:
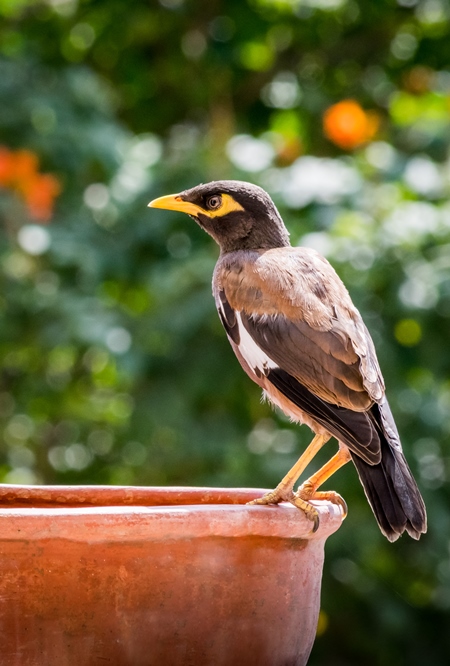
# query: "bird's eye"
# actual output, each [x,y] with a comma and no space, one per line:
[214,202]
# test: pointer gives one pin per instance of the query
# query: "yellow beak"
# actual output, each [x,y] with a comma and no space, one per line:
[175,202]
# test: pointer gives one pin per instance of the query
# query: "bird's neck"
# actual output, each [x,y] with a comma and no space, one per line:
[259,238]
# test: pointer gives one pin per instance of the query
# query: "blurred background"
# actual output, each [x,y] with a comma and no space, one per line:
[115,368]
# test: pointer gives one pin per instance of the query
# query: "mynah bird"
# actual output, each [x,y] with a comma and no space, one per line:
[296,333]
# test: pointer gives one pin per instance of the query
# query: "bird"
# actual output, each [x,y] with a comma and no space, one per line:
[297,334]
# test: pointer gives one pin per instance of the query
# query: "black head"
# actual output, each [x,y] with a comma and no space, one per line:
[238,215]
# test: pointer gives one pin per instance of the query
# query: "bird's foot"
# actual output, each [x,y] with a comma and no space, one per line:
[286,494]
[280,494]
[307,492]
[308,509]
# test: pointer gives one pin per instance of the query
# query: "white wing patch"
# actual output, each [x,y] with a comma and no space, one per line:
[252,353]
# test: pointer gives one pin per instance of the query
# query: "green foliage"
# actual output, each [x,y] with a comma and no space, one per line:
[115,368]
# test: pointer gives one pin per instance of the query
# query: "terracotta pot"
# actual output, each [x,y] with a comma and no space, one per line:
[156,576]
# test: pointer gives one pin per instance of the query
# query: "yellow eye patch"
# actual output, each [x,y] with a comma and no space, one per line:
[175,202]
[228,205]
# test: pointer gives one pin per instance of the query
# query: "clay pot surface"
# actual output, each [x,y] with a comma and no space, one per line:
[157,577]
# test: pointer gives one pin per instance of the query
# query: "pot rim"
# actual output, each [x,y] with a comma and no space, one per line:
[126,513]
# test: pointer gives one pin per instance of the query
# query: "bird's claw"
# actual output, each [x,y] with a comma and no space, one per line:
[274,497]
[335,498]
[307,493]
[308,509]
[284,495]
[302,500]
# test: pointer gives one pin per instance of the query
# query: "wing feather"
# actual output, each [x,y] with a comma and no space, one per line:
[294,298]
[291,319]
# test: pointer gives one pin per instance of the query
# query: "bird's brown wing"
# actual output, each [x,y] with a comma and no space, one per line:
[292,319]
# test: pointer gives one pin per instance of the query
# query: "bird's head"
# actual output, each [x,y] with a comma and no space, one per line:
[238,215]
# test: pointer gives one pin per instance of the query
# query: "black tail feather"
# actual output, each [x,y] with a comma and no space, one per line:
[374,443]
[389,485]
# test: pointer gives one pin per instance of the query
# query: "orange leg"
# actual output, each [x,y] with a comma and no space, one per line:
[308,489]
[284,492]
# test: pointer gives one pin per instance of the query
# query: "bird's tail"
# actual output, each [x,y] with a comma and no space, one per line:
[389,485]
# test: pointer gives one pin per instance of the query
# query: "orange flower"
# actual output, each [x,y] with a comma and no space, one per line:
[17,167]
[347,124]
[6,166]
[26,165]
[19,171]
[39,195]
